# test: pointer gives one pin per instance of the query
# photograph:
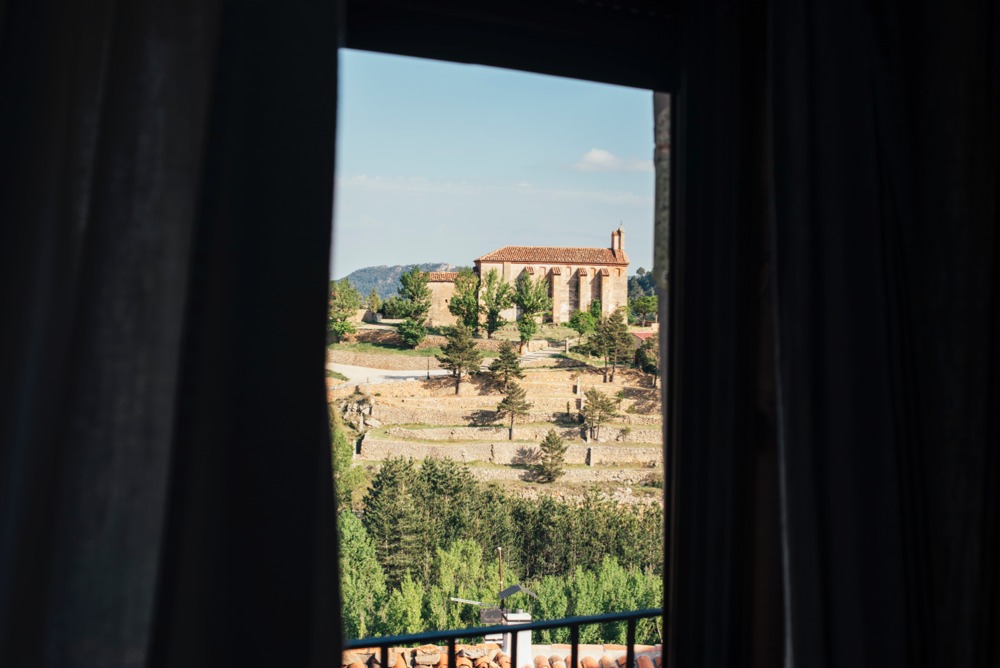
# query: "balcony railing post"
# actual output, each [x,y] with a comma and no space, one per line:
[513,649]
[451,652]
[574,645]
[630,644]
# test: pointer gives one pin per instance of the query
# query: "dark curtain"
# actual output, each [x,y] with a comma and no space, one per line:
[835,351]
[886,181]
[166,186]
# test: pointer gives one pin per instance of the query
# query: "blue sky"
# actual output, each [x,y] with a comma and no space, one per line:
[440,162]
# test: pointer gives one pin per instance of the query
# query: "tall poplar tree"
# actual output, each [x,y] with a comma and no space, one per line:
[464,303]
[497,296]
[532,299]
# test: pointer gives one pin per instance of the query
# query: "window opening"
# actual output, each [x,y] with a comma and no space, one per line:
[486,433]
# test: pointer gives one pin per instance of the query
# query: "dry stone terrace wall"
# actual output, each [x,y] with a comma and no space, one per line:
[508,453]
[522,433]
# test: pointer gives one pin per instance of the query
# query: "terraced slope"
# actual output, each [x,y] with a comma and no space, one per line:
[425,418]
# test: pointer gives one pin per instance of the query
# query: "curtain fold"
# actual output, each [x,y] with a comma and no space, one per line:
[886,180]
[166,188]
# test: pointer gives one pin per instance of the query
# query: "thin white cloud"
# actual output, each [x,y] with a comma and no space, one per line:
[422,186]
[599,160]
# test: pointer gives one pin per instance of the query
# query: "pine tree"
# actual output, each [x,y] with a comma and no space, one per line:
[413,288]
[598,408]
[514,405]
[645,308]
[613,342]
[506,365]
[464,303]
[647,359]
[460,354]
[343,304]
[393,520]
[553,452]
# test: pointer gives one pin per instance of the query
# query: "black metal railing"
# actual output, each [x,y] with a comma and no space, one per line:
[573,623]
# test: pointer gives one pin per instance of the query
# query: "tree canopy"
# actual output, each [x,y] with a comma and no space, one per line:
[464,303]
[613,342]
[597,409]
[497,296]
[532,299]
[460,354]
[344,302]
[553,451]
[506,365]
[413,288]
[513,405]
[582,322]
[608,557]
[645,308]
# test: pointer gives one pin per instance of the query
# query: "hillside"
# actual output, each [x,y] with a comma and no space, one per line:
[385,279]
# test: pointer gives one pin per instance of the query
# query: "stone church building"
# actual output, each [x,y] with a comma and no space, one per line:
[575,276]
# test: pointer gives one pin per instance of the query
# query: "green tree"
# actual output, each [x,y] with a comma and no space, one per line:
[413,288]
[532,299]
[374,302]
[343,304]
[645,308]
[582,322]
[460,354]
[362,581]
[647,359]
[346,476]
[598,408]
[595,310]
[613,342]
[513,405]
[497,296]
[396,308]
[402,613]
[464,303]
[506,365]
[553,603]
[393,520]
[584,597]
[550,466]
[412,332]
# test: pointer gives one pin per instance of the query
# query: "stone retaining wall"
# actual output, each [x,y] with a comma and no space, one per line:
[507,453]
[611,432]
[481,412]
[612,477]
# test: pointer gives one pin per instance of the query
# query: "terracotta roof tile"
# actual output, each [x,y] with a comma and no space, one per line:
[442,276]
[556,255]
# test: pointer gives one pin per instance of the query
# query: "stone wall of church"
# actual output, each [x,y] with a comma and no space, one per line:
[571,290]
[441,294]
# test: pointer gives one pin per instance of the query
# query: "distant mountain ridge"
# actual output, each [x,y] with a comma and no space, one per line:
[385,278]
